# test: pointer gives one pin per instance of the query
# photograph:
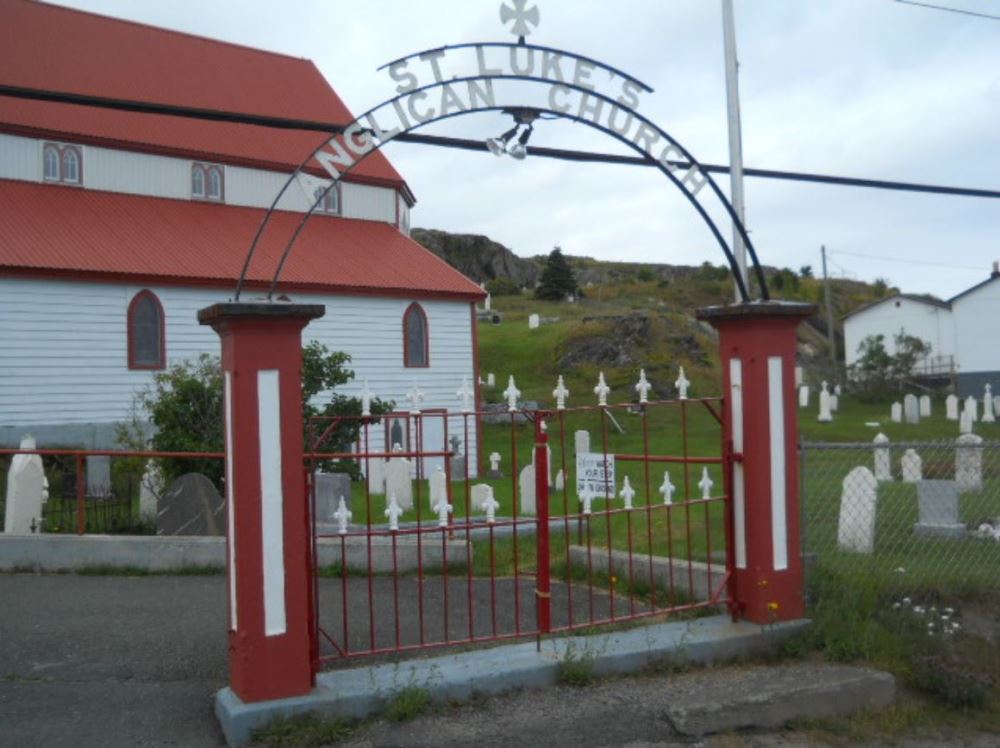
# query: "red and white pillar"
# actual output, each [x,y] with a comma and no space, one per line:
[757,342]
[268,551]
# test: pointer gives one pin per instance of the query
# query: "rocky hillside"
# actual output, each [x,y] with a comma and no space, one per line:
[479,257]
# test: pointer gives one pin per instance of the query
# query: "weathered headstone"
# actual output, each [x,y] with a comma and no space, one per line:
[491,380]
[495,471]
[925,406]
[376,475]
[532,321]
[437,488]
[330,489]
[988,415]
[581,442]
[825,415]
[487,303]
[560,484]
[98,475]
[896,413]
[804,396]
[150,490]
[911,466]
[937,501]
[27,491]
[972,406]
[838,390]
[457,461]
[911,409]
[397,482]
[965,422]
[951,408]
[478,494]
[883,466]
[996,405]
[798,376]
[526,490]
[856,524]
[191,506]
[834,402]
[969,462]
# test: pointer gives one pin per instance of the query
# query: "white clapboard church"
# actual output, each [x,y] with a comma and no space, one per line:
[117,227]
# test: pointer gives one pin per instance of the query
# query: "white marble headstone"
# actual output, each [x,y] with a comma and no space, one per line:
[376,475]
[911,466]
[988,415]
[533,321]
[965,422]
[581,442]
[27,491]
[437,488]
[560,480]
[824,404]
[526,490]
[896,413]
[798,376]
[883,466]
[925,406]
[972,405]
[397,482]
[969,462]
[911,409]
[856,524]
[804,396]
[951,408]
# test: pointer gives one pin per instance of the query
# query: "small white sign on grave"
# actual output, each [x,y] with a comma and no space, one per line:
[595,474]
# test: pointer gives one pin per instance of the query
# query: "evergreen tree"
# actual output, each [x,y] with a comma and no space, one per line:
[557,281]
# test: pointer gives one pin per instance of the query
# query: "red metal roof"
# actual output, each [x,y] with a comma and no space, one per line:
[69,231]
[50,47]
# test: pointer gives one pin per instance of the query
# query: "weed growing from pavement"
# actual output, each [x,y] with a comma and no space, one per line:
[408,704]
[302,731]
[576,665]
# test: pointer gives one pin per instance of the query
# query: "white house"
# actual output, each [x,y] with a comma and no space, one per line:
[116,227]
[961,331]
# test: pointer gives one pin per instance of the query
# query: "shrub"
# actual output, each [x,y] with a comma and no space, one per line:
[502,287]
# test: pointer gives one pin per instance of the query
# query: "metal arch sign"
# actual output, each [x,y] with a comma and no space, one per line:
[438,84]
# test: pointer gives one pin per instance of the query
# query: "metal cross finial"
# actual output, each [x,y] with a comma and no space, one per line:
[682,385]
[415,396]
[643,387]
[465,394]
[667,489]
[366,398]
[524,18]
[511,393]
[343,515]
[705,484]
[602,390]
[393,511]
[560,393]
[627,493]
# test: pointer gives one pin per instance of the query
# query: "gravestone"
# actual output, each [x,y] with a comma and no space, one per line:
[838,390]
[437,488]
[191,506]
[491,380]
[911,466]
[560,484]
[98,475]
[479,493]
[911,409]
[883,466]
[487,305]
[376,475]
[856,524]
[548,476]
[526,490]
[969,463]
[825,416]
[834,402]
[804,396]
[996,405]
[798,376]
[581,442]
[457,462]
[533,322]
[972,406]
[896,413]
[27,491]
[988,414]
[951,408]
[495,471]
[965,422]
[925,406]
[937,501]
[397,482]
[150,489]
[330,489]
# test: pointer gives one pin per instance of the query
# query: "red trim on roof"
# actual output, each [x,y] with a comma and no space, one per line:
[50,231]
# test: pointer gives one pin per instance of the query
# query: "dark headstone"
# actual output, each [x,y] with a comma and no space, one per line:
[191,506]
[329,488]
[937,501]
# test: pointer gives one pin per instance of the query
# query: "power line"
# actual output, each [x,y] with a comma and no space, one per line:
[949,265]
[145,107]
[950,10]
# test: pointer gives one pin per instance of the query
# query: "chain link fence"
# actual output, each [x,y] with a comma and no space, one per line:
[904,516]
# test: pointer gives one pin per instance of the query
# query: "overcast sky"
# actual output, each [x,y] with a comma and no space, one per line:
[864,88]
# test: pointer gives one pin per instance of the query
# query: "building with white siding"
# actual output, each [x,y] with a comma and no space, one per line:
[961,332]
[116,227]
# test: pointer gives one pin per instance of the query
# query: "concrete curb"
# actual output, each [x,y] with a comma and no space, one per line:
[359,692]
[58,553]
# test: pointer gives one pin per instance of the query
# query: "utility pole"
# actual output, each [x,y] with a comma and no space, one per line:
[831,338]
[735,137]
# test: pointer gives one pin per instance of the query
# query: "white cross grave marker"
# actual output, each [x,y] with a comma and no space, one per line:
[988,415]
[627,493]
[560,393]
[343,515]
[587,499]
[465,393]
[643,387]
[682,385]
[366,398]
[443,509]
[415,396]
[511,393]
[495,462]
[602,390]
[705,484]
[490,506]
[392,511]
[667,489]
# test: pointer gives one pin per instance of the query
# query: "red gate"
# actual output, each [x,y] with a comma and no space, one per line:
[632,525]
